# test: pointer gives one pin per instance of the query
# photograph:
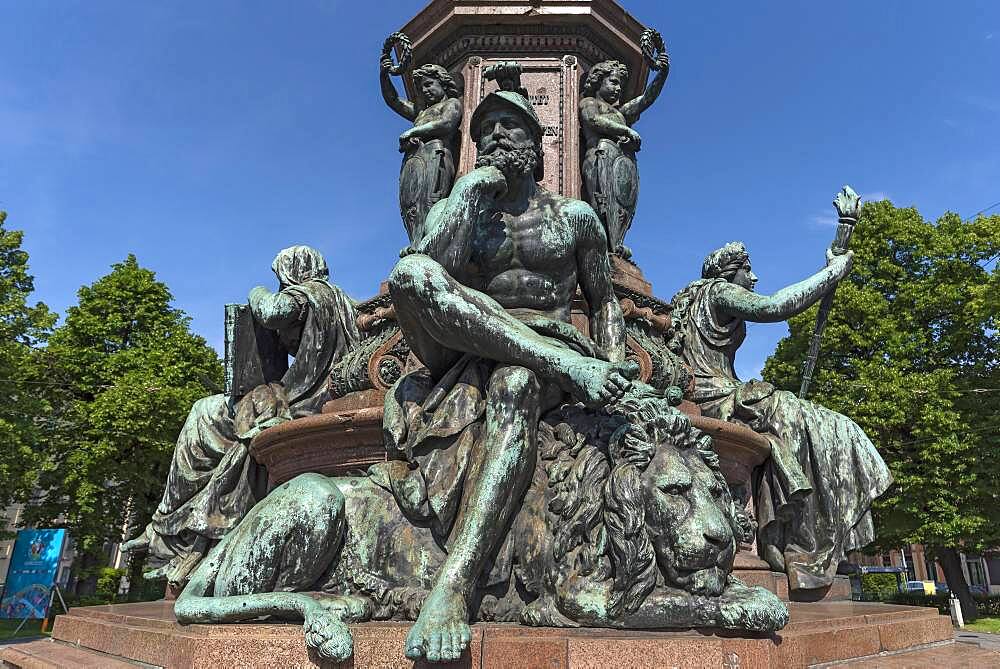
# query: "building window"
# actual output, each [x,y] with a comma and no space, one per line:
[977,576]
[911,569]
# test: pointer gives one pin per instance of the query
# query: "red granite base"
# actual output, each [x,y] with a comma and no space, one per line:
[823,632]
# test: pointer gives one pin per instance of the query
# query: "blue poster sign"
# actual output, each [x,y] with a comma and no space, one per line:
[32,572]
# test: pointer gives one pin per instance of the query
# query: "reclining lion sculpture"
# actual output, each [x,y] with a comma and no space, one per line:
[627,523]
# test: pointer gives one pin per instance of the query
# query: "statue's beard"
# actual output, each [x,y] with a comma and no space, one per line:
[513,162]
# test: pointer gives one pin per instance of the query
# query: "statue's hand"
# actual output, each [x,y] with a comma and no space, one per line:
[488,181]
[663,63]
[631,140]
[408,141]
[841,264]
[385,64]
[848,203]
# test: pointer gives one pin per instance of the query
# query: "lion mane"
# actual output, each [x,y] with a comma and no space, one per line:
[596,512]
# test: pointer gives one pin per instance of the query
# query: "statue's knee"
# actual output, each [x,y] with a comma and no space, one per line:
[518,383]
[409,273]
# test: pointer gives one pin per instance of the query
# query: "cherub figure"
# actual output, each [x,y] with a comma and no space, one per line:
[429,147]
[610,175]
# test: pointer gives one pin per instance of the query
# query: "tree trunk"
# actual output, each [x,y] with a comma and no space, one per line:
[951,564]
[86,583]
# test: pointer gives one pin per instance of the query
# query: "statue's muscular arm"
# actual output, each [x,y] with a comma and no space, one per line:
[607,325]
[633,108]
[404,108]
[738,302]
[451,222]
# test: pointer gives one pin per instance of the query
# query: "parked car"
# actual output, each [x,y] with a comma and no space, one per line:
[915,586]
[979,589]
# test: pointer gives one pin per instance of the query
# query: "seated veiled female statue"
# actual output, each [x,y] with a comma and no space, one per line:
[213,481]
[814,493]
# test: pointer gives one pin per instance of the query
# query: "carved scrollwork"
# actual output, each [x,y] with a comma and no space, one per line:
[385,365]
[366,321]
[639,355]
[659,322]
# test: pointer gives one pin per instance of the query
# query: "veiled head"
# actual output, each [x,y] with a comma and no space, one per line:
[298,264]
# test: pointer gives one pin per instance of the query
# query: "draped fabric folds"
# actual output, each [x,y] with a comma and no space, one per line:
[433,431]
[213,481]
[813,495]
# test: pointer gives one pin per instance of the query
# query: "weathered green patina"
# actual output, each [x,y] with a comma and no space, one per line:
[429,147]
[627,523]
[610,172]
[213,481]
[814,494]
[529,475]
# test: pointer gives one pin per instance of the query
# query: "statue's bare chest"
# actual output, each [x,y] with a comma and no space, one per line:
[607,111]
[432,113]
[530,241]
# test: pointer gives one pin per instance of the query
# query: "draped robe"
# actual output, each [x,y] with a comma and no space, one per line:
[813,495]
[213,482]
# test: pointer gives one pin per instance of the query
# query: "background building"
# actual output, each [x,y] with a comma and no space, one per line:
[982,572]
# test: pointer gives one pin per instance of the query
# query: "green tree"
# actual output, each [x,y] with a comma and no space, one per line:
[912,353]
[128,370]
[22,328]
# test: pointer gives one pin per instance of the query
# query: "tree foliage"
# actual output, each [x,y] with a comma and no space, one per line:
[22,328]
[912,354]
[127,369]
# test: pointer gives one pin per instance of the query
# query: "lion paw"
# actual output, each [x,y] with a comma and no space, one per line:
[755,609]
[327,634]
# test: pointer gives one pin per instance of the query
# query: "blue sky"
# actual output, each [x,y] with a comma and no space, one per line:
[204,137]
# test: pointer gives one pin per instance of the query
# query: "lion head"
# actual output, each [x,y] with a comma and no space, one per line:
[663,510]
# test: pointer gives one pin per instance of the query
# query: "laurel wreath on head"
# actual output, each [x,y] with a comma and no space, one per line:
[651,43]
[402,43]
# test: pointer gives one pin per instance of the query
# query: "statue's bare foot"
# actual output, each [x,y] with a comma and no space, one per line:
[598,383]
[327,634]
[441,633]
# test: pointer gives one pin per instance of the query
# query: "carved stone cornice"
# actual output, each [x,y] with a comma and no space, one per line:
[448,32]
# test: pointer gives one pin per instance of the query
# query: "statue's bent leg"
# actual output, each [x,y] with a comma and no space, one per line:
[495,487]
[440,316]
[285,543]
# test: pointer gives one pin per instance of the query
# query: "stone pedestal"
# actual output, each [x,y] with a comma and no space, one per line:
[555,41]
[112,636]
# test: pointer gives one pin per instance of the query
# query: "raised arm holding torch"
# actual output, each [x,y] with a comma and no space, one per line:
[848,204]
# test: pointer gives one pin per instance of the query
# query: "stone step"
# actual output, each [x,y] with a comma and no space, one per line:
[829,641]
[819,633]
[940,656]
[49,654]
